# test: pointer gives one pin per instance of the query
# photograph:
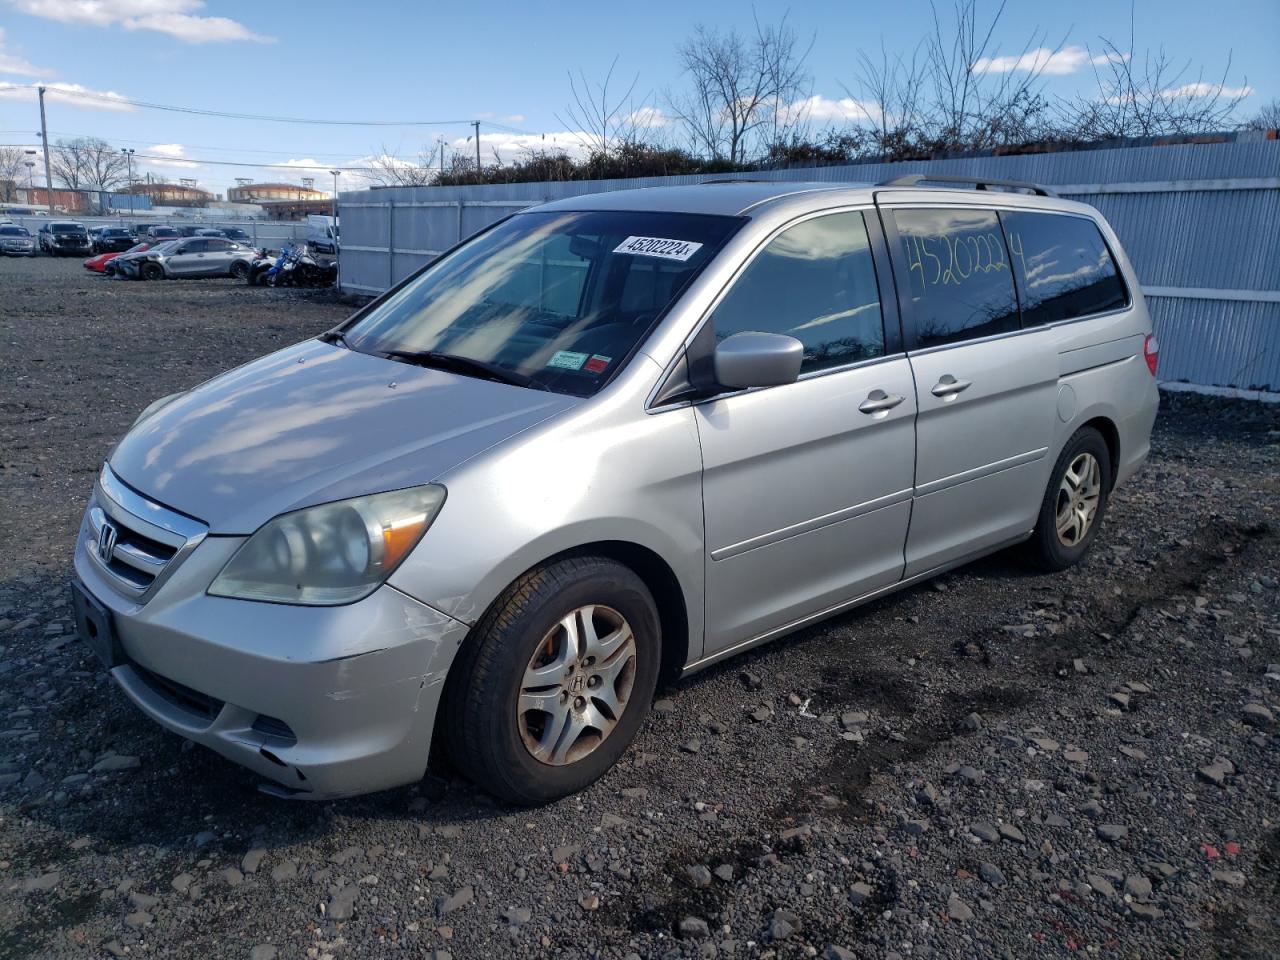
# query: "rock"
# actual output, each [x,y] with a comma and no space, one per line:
[838,953]
[699,876]
[1112,832]
[724,872]
[1256,715]
[957,909]
[589,901]
[286,870]
[751,681]
[985,832]
[1137,886]
[973,722]
[1045,744]
[915,827]
[342,905]
[970,774]
[459,900]
[231,876]
[142,901]
[46,881]
[1232,878]
[263,951]
[634,793]
[252,860]
[852,719]
[1145,911]
[860,892]
[782,924]
[664,706]
[115,763]
[991,874]
[137,920]
[182,883]
[565,853]
[691,746]
[761,713]
[1010,832]
[1121,700]
[1213,773]
[1101,885]
[518,916]
[928,795]
[1075,756]
[694,928]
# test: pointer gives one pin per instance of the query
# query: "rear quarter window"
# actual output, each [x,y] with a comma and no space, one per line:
[1063,267]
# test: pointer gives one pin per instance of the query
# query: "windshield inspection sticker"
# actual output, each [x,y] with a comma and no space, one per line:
[567,360]
[658,247]
[598,364]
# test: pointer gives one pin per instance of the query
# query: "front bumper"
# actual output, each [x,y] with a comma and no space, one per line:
[18,249]
[323,702]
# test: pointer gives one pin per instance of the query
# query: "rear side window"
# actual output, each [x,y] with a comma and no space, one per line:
[815,282]
[958,277]
[1062,266]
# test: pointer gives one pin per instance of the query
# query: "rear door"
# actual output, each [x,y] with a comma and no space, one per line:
[807,486]
[986,388]
[218,256]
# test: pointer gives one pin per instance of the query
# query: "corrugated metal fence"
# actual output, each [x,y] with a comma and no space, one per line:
[1201,223]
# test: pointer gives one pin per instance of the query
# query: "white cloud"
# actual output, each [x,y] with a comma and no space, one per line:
[66,93]
[177,18]
[646,118]
[1040,60]
[1202,89]
[174,152]
[14,64]
[826,110]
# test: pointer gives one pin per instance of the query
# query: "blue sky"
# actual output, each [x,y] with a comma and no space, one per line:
[495,61]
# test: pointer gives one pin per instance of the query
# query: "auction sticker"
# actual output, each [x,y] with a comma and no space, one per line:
[598,364]
[658,247]
[567,360]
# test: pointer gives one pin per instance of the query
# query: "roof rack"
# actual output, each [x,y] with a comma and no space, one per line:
[726,180]
[978,183]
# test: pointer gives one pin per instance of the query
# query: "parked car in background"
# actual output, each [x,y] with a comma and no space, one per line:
[189,257]
[94,233]
[102,262]
[775,401]
[209,232]
[161,232]
[238,235]
[16,241]
[114,240]
[60,238]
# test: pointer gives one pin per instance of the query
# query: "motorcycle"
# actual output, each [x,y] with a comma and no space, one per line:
[294,267]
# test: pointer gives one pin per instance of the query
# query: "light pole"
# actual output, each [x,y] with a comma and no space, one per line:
[128,159]
[31,167]
[333,206]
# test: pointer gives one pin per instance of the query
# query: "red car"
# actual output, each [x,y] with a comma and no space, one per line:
[98,264]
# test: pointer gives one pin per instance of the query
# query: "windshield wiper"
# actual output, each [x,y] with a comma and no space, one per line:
[336,336]
[465,365]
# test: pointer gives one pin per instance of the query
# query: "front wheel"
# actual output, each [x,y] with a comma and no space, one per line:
[554,683]
[239,270]
[1074,504]
[152,271]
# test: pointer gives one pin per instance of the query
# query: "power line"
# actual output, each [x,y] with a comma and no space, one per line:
[180,162]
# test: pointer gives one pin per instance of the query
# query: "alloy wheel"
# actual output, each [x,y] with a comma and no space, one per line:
[577,685]
[1078,497]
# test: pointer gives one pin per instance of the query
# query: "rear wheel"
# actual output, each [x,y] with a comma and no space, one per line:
[555,681]
[152,271]
[1074,504]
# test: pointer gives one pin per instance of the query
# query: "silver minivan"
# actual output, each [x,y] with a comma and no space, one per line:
[607,440]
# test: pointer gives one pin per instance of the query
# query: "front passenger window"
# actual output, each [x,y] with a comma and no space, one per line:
[816,282]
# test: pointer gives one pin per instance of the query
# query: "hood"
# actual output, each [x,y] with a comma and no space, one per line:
[314,423]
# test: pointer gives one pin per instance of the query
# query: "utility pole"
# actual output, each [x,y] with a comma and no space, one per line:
[337,280]
[128,156]
[440,140]
[44,138]
[474,123]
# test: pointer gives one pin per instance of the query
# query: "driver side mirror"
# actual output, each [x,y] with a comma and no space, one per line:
[757,360]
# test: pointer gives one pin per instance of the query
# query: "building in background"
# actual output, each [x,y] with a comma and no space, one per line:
[173,194]
[273,192]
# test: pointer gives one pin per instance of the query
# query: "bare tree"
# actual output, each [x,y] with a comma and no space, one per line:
[1268,118]
[12,160]
[887,95]
[387,170]
[88,163]
[1152,96]
[739,86]
[604,120]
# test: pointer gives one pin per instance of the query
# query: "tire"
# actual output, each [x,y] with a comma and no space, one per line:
[487,737]
[1048,549]
[239,270]
[151,271]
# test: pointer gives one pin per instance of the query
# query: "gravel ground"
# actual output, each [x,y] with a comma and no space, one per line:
[996,764]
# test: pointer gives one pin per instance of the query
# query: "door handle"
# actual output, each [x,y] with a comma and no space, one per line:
[880,402]
[948,386]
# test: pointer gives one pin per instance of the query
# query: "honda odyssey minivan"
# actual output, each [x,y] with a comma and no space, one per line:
[606,440]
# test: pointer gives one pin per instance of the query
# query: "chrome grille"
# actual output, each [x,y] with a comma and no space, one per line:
[136,542]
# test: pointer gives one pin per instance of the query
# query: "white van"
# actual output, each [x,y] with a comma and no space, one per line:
[322,233]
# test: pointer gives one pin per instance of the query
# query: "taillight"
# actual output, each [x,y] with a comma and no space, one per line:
[1151,352]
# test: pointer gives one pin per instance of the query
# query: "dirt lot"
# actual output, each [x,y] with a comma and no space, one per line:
[996,764]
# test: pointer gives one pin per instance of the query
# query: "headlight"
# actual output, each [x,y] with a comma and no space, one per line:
[331,554]
[154,406]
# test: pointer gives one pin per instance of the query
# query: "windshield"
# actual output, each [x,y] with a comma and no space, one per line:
[68,228]
[115,232]
[558,299]
[14,232]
